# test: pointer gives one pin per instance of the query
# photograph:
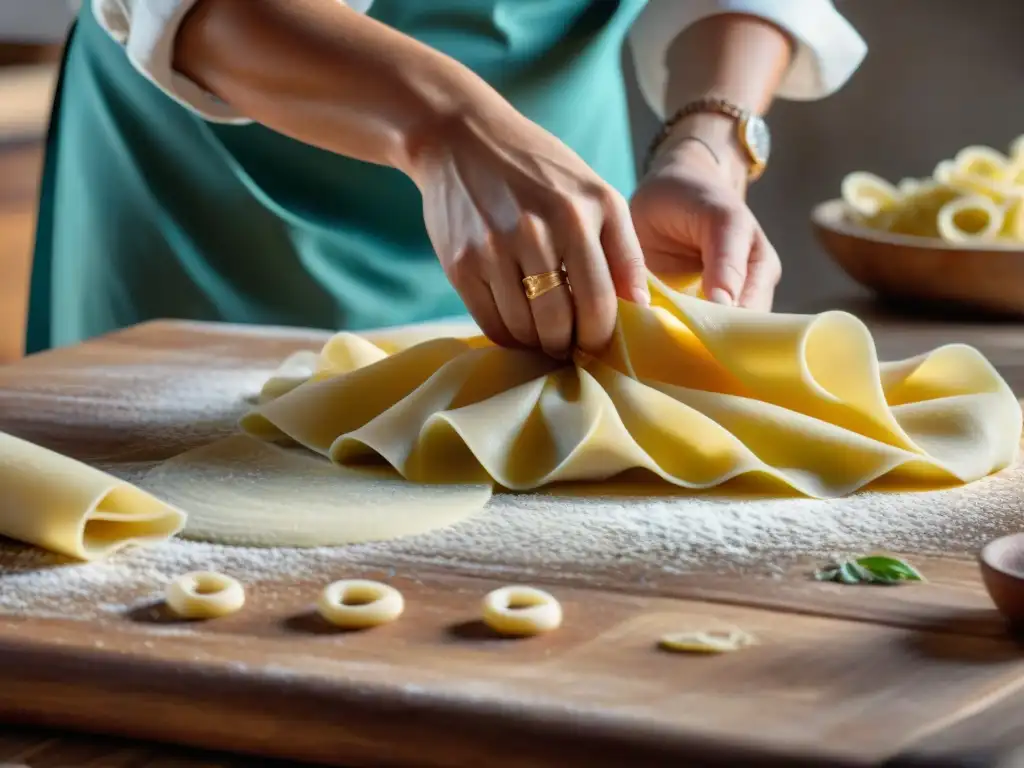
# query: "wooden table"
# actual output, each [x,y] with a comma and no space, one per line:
[922,675]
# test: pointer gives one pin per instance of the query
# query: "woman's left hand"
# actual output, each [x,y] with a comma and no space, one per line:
[690,216]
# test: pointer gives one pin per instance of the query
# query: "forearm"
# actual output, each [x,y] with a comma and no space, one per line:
[735,57]
[326,75]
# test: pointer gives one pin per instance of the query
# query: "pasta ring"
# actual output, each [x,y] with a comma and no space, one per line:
[706,641]
[204,595]
[521,611]
[977,195]
[1013,224]
[360,604]
[977,175]
[868,194]
[909,186]
[1017,149]
[981,161]
[970,218]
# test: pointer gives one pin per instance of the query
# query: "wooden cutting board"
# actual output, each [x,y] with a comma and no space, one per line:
[921,675]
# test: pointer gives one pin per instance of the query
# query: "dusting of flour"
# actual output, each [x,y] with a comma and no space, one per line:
[552,536]
[540,536]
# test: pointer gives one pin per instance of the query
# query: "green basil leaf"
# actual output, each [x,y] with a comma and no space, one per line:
[865,574]
[885,580]
[890,568]
[851,573]
[872,569]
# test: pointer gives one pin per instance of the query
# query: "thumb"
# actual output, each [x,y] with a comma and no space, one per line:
[725,251]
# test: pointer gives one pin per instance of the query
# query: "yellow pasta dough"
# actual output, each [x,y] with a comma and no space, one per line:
[204,595]
[65,506]
[869,194]
[974,197]
[521,611]
[970,218]
[1017,150]
[360,604]
[706,641]
[694,392]
[240,490]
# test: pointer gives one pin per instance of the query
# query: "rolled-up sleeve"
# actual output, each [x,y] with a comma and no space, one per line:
[828,48]
[147,29]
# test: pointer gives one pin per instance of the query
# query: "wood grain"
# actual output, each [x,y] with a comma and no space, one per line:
[597,693]
[841,676]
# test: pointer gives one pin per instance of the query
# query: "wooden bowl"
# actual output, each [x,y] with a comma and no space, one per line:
[1002,569]
[986,278]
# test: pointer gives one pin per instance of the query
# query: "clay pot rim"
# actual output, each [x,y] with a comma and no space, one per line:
[991,559]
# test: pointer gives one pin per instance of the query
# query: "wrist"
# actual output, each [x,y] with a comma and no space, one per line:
[451,106]
[710,133]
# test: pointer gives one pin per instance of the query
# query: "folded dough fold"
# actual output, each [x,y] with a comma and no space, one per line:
[693,392]
[65,506]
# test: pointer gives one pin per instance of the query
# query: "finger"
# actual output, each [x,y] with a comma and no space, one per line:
[622,250]
[475,293]
[553,314]
[763,275]
[593,292]
[728,239]
[506,285]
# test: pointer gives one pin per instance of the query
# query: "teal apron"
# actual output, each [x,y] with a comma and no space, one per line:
[148,211]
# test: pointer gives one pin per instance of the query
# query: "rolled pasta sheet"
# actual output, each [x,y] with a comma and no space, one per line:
[970,219]
[65,506]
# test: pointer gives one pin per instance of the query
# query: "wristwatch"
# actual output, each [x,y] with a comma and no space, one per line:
[751,130]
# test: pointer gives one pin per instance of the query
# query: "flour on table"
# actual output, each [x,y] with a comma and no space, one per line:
[240,490]
[545,536]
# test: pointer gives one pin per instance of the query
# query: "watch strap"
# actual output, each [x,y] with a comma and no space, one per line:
[708,104]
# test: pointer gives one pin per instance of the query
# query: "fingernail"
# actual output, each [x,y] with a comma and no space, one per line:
[644,297]
[721,296]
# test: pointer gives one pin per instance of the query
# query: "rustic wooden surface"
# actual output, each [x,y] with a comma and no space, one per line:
[842,677]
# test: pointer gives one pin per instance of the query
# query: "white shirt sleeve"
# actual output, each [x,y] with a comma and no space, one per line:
[146,29]
[828,48]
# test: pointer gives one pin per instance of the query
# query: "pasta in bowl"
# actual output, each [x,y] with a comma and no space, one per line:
[955,237]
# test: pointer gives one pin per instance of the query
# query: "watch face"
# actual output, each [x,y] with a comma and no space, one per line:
[758,138]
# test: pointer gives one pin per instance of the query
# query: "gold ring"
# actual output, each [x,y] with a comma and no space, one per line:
[538,285]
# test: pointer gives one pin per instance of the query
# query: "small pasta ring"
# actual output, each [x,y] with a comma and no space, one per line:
[706,641]
[360,604]
[204,595]
[521,611]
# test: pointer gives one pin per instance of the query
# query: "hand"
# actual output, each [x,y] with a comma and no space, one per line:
[690,216]
[502,200]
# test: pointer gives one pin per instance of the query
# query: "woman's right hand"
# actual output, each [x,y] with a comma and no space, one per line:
[502,200]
